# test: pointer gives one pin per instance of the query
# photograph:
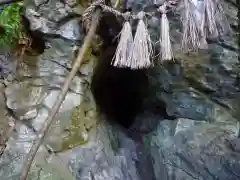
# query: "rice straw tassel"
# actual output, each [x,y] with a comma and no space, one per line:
[166,49]
[210,10]
[200,16]
[203,33]
[124,48]
[216,20]
[191,35]
[142,46]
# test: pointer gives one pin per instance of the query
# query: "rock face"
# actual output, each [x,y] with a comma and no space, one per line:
[55,18]
[8,65]
[201,92]
[186,126]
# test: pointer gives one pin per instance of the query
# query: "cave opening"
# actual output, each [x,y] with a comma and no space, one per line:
[118,92]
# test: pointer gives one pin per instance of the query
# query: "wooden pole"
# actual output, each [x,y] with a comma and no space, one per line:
[42,133]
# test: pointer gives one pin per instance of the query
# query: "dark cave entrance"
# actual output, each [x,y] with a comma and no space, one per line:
[119,92]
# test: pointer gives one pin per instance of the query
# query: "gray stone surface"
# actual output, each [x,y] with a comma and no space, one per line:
[201,94]
[55,18]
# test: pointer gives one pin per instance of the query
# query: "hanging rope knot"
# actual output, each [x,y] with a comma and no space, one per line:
[127,16]
[163,9]
[140,15]
[87,14]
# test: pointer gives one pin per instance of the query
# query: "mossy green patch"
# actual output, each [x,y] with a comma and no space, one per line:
[10,19]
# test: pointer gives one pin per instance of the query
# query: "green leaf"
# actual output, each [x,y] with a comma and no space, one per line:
[10,19]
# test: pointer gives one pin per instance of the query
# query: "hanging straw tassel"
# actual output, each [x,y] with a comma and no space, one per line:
[203,42]
[200,21]
[216,22]
[166,49]
[223,25]
[142,46]
[191,34]
[121,58]
[210,10]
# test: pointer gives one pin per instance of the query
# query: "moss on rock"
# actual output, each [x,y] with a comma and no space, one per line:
[10,20]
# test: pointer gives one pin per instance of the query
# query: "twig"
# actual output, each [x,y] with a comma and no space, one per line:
[61,97]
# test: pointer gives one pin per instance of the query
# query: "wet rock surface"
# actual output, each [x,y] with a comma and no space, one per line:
[188,127]
[203,88]
[201,151]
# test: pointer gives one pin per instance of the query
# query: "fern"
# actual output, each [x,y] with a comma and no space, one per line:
[10,19]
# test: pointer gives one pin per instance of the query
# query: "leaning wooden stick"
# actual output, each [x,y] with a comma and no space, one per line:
[61,96]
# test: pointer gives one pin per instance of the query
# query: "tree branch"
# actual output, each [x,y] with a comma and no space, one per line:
[61,96]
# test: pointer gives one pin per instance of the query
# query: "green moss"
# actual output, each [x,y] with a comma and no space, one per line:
[84,118]
[10,19]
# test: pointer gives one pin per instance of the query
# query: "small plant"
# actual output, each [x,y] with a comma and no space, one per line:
[10,20]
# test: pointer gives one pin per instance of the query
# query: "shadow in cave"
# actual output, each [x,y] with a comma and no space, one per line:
[119,92]
[37,45]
